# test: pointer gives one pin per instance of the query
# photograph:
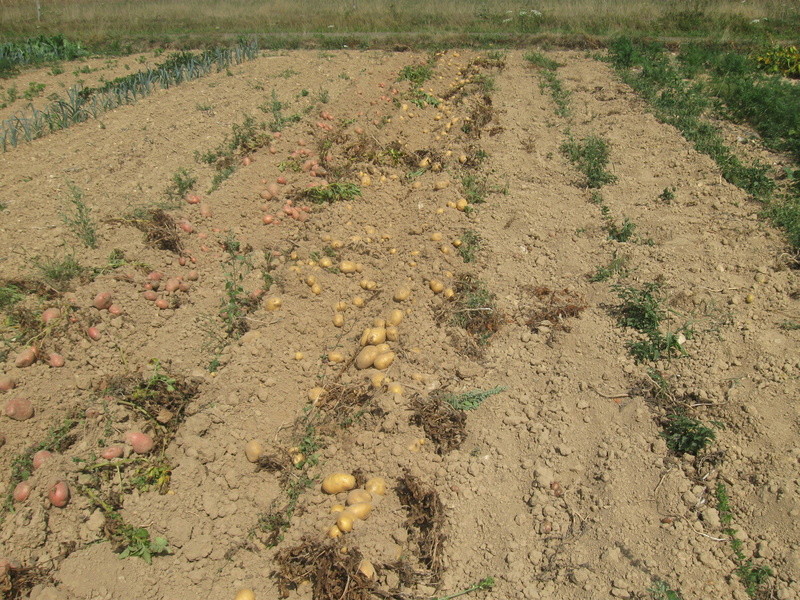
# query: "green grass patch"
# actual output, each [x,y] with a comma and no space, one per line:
[550,81]
[591,156]
[333,192]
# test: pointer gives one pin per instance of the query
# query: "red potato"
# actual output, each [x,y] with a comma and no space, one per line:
[55,360]
[115,309]
[268,219]
[162,303]
[193,199]
[193,276]
[140,442]
[6,383]
[50,314]
[155,275]
[102,301]
[26,358]
[59,494]
[93,333]
[40,457]
[150,295]
[202,236]
[273,150]
[205,211]
[112,452]
[186,226]
[182,261]
[19,409]
[184,287]
[172,284]
[22,491]
[247,161]
[282,180]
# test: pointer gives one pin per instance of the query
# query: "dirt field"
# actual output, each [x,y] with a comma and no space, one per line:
[558,485]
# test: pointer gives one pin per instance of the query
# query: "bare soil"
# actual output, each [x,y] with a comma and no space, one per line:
[558,487]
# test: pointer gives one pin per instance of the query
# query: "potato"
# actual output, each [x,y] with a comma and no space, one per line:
[395,388]
[7,383]
[59,494]
[377,380]
[402,293]
[50,314]
[112,452]
[384,360]
[22,491]
[102,300]
[340,306]
[316,394]
[436,237]
[347,266]
[383,348]
[376,486]
[245,594]
[373,336]
[55,360]
[39,458]
[358,496]
[360,510]
[140,442]
[253,450]
[19,409]
[366,568]
[26,358]
[338,482]
[358,301]
[273,303]
[345,521]
[395,317]
[334,532]
[449,293]
[336,357]
[337,508]
[366,357]
[392,334]
[436,286]
[316,289]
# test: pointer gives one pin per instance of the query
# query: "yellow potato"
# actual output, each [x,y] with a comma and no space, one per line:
[347,266]
[316,394]
[336,357]
[273,303]
[366,569]
[325,262]
[358,496]
[402,293]
[383,360]
[345,521]
[395,388]
[316,289]
[247,594]
[436,286]
[376,486]
[337,508]
[449,293]
[366,357]
[338,320]
[392,334]
[358,302]
[360,510]
[253,450]
[338,482]
[395,317]
[334,532]
[377,380]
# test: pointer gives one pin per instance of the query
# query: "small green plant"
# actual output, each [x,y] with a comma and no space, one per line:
[662,591]
[667,196]
[753,577]
[591,156]
[486,583]
[206,108]
[641,307]
[79,220]
[138,543]
[620,233]
[221,176]
[617,266]
[59,272]
[236,303]
[323,96]
[279,120]
[181,183]
[685,435]
[549,80]
[470,245]
[416,74]
[333,192]
[789,325]
[422,99]
[472,399]
[34,90]
[476,188]
[56,70]
[10,295]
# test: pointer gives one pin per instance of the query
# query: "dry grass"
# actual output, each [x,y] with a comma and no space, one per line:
[127,19]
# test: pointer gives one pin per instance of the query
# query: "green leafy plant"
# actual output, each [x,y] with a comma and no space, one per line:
[486,583]
[416,74]
[333,192]
[472,399]
[549,80]
[662,591]
[685,435]
[181,183]
[667,196]
[279,120]
[60,272]
[591,156]
[470,245]
[10,295]
[641,307]
[79,220]
[617,266]
[138,543]
[620,233]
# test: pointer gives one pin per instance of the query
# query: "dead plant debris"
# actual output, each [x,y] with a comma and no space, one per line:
[552,308]
[443,425]
[425,523]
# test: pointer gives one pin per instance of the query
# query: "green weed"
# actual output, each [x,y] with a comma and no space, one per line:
[10,295]
[685,435]
[667,196]
[662,591]
[79,220]
[476,189]
[591,156]
[333,192]
[138,543]
[416,74]
[753,577]
[641,307]
[279,120]
[470,245]
[474,309]
[617,266]
[181,183]
[472,399]
[549,80]
[486,583]
[620,233]
[237,303]
[58,273]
